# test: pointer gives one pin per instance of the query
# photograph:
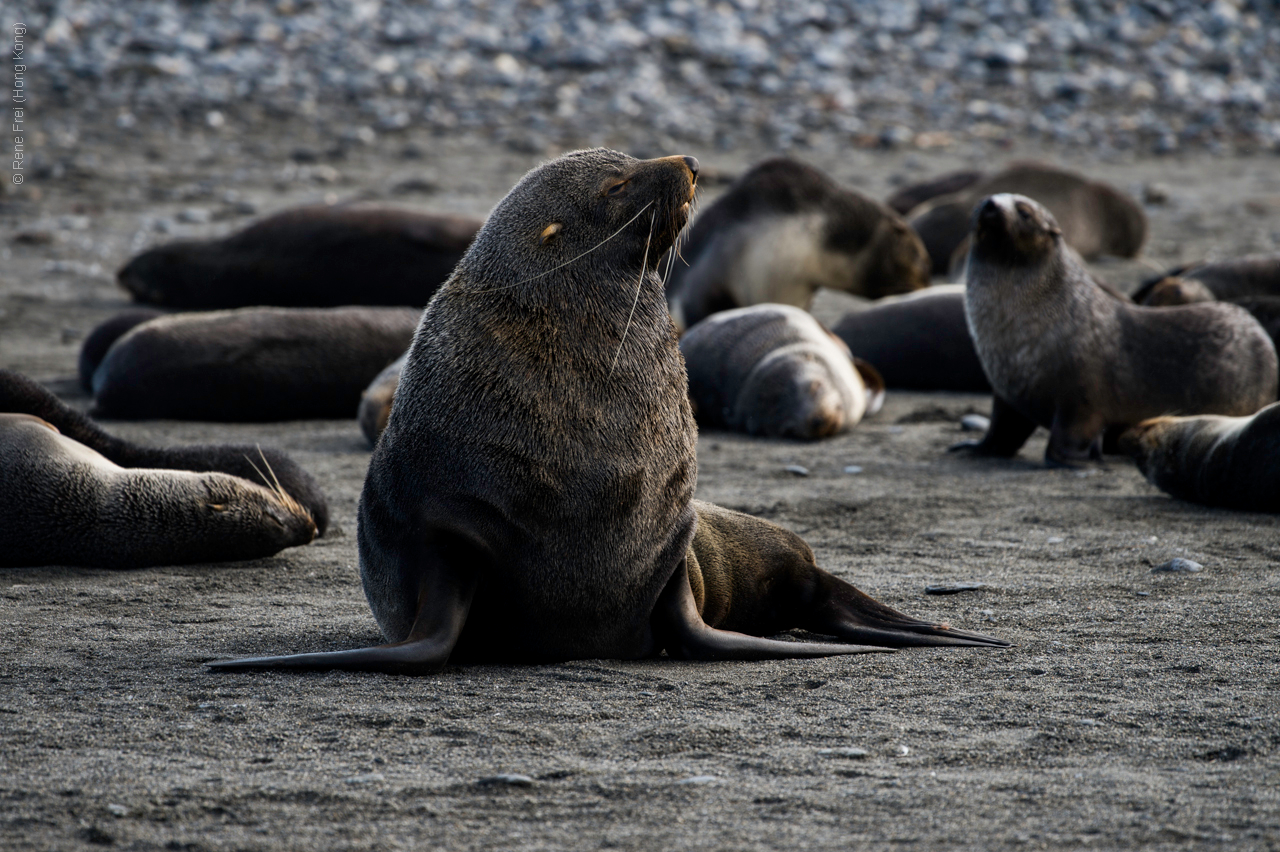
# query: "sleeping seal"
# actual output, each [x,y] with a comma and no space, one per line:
[532,496]
[783,230]
[1062,353]
[266,466]
[1251,275]
[1220,461]
[375,401]
[306,257]
[251,364]
[64,504]
[773,370]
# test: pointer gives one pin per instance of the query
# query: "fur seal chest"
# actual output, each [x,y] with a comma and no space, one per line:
[531,498]
[1063,353]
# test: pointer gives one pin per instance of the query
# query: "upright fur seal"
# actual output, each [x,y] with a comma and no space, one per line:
[919,341]
[1251,275]
[531,497]
[266,466]
[252,364]
[1095,217]
[1220,461]
[1063,354]
[307,257]
[64,504]
[783,230]
[774,370]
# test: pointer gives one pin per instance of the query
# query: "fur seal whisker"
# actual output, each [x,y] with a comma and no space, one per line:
[644,270]
[572,259]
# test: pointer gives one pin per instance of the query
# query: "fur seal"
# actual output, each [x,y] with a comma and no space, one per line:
[1063,354]
[251,364]
[1095,217]
[375,402]
[780,232]
[95,346]
[317,256]
[1219,461]
[912,196]
[1251,275]
[532,496]
[21,395]
[774,370]
[64,504]
[919,341]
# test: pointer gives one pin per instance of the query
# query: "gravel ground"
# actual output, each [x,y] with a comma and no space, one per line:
[1136,708]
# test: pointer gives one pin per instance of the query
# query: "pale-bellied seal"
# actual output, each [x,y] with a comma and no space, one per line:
[1220,461]
[1063,354]
[375,402]
[774,370]
[250,364]
[307,257]
[95,346]
[64,504]
[1251,275]
[783,230]
[531,497]
[266,466]
[1095,218]
[919,341]
[912,196]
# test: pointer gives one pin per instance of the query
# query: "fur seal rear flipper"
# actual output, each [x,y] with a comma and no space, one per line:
[21,395]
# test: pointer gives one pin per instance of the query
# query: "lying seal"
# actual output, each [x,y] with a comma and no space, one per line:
[779,233]
[1095,218]
[375,402]
[531,497]
[919,341]
[1063,354]
[774,370]
[64,504]
[21,395]
[1220,461]
[1251,275]
[95,346]
[252,364]
[307,257]
[910,197]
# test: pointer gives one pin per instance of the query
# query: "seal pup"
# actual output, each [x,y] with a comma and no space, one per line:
[919,341]
[783,230]
[1095,217]
[773,370]
[267,466]
[532,496]
[251,364]
[1063,354]
[64,504]
[317,256]
[375,401]
[1232,462]
[95,346]
[1251,275]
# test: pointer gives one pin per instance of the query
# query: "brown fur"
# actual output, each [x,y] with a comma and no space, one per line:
[375,402]
[1237,278]
[1063,354]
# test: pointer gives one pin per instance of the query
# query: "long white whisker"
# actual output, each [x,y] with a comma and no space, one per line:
[572,259]
[644,268]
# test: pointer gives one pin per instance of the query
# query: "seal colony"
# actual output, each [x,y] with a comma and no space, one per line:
[531,498]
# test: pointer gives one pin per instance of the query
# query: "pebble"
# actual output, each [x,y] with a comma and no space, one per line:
[903,751]
[975,423]
[953,588]
[849,752]
[798,470]
[852,468]
[369,778]
[117,810]
[506,780]
[1054,539]
[1178,565]
[698,780]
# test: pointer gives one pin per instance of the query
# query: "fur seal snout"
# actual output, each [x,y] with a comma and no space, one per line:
[64,504]
[532,495]
[1063,353]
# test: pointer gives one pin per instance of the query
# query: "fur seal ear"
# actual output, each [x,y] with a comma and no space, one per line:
[549,232]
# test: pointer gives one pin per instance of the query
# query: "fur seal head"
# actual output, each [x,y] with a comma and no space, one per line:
[1014,230]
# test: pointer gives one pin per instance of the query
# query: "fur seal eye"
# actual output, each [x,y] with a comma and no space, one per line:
[616,188]
[549,232]
[1024,211]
